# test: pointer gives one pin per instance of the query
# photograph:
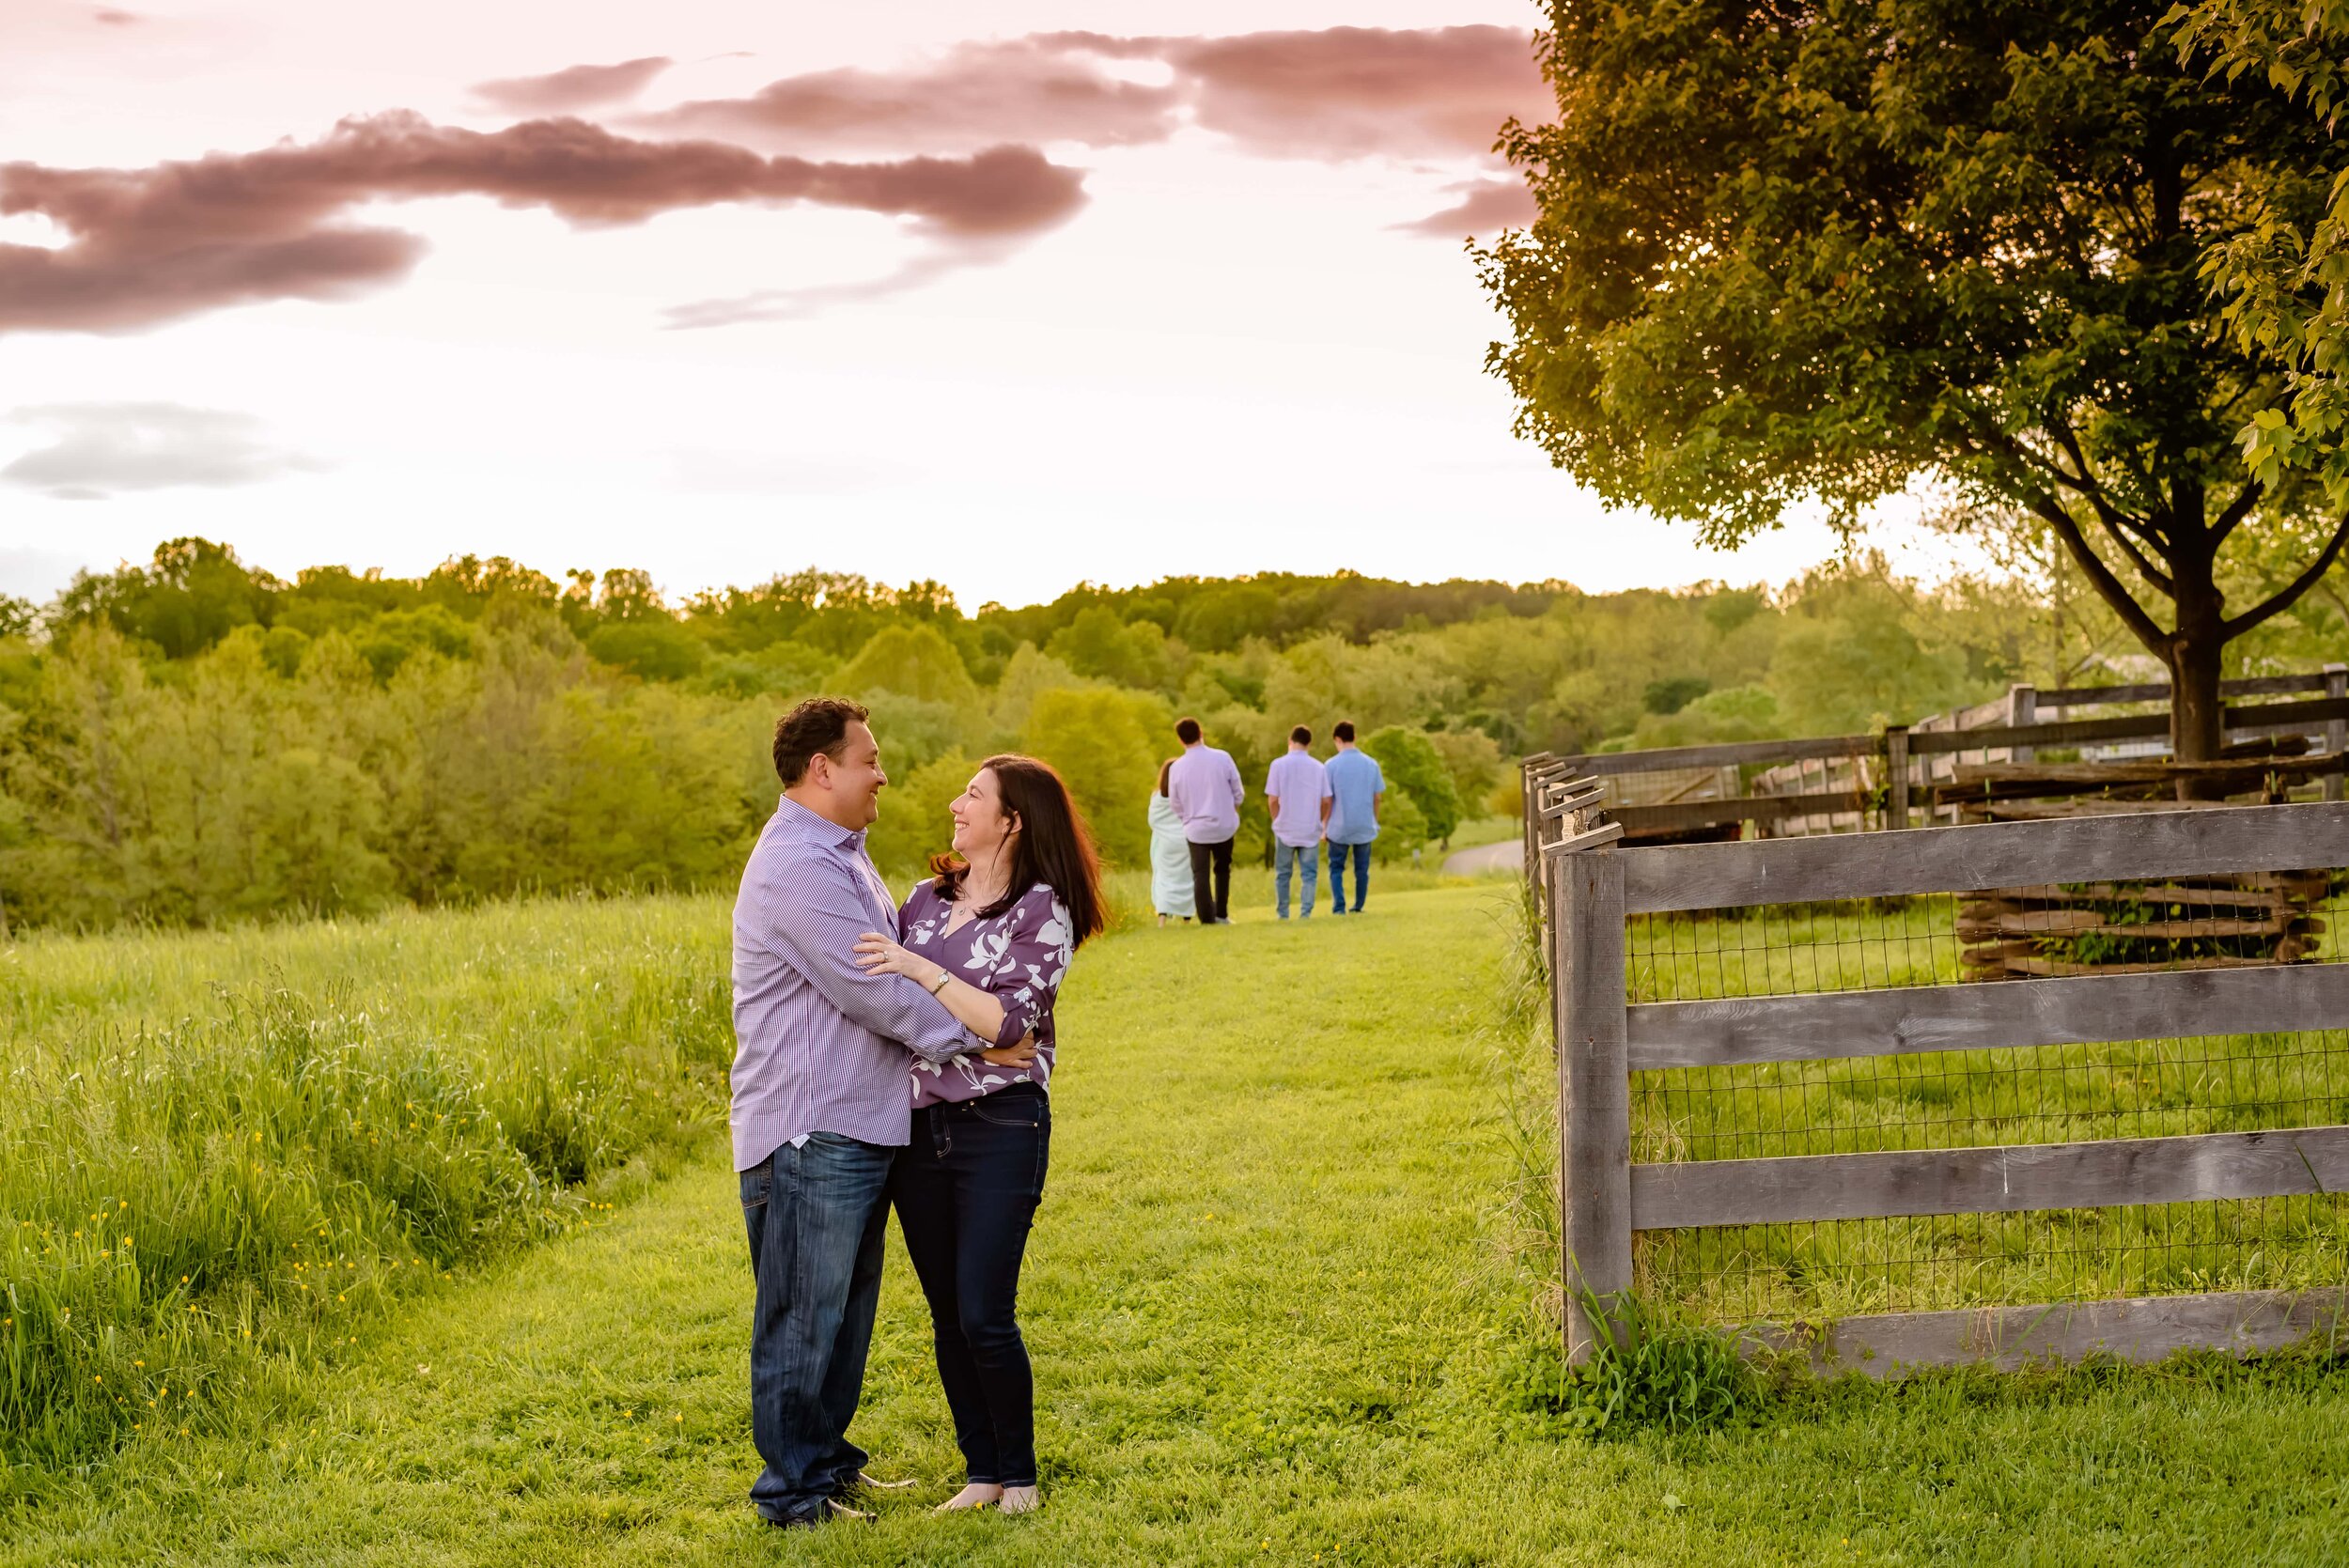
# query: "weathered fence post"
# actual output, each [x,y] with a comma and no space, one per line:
[2022,707]
[1594,1092]
[1530,774]
[1896,775]
[2336,730]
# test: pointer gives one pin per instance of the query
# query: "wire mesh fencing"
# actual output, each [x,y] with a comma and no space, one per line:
[1952,1099]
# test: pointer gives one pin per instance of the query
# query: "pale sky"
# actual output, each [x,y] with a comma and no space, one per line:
[773,304]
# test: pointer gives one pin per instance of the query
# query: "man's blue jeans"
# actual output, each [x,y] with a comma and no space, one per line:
[1285,856]
[1338,853]
[816,1217]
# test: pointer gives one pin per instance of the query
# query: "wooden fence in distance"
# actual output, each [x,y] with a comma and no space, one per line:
[1602,1040]
[1891,780]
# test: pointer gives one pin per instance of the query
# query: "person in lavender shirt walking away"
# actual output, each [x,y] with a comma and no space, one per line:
[1355,788]
[1204,785]
[820,1107]
[990,934]
[1296,791]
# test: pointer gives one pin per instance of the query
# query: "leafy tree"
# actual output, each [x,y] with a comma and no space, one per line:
[1413,768]
[1099,643]
[18,616]
[913,661]
[1673,693]
[913,824]
[388,641]
[1825,249]
[1403,828]
[912,732]
[192,595]
[786,668]
[651,647]
[1222,617]
[1027,676]
[1473,759]
[1850,661]
[2284,274]
[1107,745]
[1738,713]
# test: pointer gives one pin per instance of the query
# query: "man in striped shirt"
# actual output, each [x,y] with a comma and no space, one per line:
[820,1104]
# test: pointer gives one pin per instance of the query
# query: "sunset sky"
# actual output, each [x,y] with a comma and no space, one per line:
[1010,296]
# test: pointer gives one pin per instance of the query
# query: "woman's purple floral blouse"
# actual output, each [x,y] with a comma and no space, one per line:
[1020,956]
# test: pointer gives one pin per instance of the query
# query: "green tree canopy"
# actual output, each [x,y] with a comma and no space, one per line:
[1412,766]
[913,824]
[1107,746]
[1822,250]
[913,661]
[193,594]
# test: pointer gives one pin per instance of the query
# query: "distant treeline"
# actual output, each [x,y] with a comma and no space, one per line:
[193,740]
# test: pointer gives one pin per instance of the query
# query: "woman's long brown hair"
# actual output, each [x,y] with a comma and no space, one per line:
[1054,847]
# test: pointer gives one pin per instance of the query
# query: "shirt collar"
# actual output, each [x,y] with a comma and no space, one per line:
[821,830]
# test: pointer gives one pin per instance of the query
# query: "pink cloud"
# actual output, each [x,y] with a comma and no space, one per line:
[1357,92]
[796,304]
[978,94]
[566,92]
[178,239]
[1336,94]
[1485,206]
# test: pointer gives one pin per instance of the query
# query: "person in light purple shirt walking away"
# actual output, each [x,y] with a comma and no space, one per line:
[1205,787]
[820,1107]
[1355,788]
[1296,791]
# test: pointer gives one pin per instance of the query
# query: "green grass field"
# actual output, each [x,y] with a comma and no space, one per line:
[1281,1299]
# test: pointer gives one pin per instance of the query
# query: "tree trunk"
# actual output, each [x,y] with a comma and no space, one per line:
[2197,730]
[2196,715]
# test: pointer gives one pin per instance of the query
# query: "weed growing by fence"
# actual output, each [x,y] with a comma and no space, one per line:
[1648,1368]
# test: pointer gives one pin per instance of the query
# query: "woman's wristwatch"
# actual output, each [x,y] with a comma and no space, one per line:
[944,974]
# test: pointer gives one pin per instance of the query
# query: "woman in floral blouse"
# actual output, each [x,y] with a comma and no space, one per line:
[990,934]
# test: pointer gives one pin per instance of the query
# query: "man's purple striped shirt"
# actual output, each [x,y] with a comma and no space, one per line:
[819,1045]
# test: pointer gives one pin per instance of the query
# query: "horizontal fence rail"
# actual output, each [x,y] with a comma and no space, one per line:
[2138,880]
[1909,1019]
[1985,855]
[1996,1180]
[2142,1328]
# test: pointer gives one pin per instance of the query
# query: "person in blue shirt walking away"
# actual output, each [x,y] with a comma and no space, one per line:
[1356,786]
[1296,791]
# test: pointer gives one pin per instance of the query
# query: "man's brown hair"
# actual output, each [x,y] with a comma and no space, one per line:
[818,727]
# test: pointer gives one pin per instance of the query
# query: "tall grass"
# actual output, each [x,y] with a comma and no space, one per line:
[219,1151]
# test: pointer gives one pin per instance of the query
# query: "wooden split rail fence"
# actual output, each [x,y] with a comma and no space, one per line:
[1908,773]
[1591,886]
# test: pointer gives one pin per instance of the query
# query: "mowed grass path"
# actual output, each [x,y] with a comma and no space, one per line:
[1270,1303]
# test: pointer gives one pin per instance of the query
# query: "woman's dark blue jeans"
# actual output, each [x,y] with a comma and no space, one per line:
[966,1190]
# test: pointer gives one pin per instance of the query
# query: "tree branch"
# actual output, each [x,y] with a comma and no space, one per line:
[2238,509]
[2110,515]
[2237,625]
[2153,574]
[2108,586]
[2117,523]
